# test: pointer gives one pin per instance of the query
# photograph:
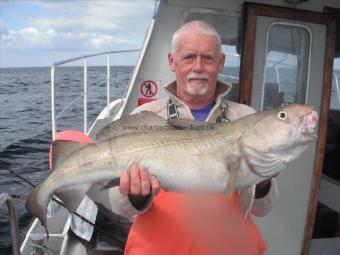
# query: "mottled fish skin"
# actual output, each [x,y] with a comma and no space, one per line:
[184,160]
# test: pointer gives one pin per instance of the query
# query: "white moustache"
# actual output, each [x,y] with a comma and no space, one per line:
[197,76]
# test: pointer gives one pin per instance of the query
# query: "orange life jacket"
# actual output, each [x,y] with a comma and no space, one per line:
[180,224]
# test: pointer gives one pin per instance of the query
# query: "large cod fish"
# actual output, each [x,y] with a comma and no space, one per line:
[202,158]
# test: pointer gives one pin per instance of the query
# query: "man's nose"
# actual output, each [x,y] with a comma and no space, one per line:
[198,65]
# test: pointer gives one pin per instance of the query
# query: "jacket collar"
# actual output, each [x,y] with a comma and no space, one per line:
[222,89]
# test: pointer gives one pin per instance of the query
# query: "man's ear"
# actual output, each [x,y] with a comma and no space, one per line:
[221,63]
[171,60]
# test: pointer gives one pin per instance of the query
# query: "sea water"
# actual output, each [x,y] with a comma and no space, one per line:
[25,124]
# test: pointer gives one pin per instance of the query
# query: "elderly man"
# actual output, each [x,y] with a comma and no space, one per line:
[175,223]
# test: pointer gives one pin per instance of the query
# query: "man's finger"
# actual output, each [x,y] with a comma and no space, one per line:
[145,181]
[124,184]
[135,185]
[155,185]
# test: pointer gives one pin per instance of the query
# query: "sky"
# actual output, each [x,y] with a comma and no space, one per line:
[40,32]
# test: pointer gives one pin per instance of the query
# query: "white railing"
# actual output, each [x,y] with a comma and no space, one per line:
[53,84]
[229,77]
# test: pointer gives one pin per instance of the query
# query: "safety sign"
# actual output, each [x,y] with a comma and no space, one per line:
[148,88]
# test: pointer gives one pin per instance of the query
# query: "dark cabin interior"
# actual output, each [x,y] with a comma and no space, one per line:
[327,221]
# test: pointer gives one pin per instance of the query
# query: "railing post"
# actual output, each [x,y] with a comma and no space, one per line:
[337,87]
[277,76]
[53,114]
[108,86]
[85,96]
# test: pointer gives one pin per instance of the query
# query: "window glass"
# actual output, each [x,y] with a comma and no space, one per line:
[286,67]
[231,73]
[328,201]
[335,94]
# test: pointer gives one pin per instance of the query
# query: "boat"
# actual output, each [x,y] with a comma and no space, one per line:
[278,51]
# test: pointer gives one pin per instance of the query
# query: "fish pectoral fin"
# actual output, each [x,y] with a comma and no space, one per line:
[189,124]
[72,197]
[111,184]
[246,198]
[263,164]
[233,163]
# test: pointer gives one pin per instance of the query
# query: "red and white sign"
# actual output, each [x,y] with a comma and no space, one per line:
[148,88]
[142,100]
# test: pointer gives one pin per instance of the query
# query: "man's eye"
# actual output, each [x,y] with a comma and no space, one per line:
[208,58]
[189,57]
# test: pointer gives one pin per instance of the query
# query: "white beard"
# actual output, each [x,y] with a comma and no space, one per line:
[197,89]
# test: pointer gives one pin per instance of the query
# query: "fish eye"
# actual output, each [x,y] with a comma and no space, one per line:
[282,115]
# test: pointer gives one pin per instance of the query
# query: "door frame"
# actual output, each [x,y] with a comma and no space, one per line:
[251,11]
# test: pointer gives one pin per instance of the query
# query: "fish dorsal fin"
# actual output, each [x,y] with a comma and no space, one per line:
[139,122]
[190,124]
[62,150]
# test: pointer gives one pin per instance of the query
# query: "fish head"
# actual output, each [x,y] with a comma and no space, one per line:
[285,131]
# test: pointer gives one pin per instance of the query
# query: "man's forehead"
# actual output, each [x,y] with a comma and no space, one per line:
[189,34]
[186,42]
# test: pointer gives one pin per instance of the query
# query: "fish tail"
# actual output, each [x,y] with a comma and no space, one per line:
[36,204]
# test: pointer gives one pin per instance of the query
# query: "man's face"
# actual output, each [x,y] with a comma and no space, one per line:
[196,63]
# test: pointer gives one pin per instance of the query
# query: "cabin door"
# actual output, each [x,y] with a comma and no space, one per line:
[285,60]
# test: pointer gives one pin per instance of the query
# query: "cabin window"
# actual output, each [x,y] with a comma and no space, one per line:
[228,24]
[287,65]
[327,218]
[335,94]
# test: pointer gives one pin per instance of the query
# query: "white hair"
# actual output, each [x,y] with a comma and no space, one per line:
[196,27]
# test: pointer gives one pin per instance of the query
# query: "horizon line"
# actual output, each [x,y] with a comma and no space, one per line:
[65,66]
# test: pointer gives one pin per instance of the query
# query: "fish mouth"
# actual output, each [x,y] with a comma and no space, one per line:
[308,124]
[310,136]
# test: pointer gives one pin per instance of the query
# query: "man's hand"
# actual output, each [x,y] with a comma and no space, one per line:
[138,185]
